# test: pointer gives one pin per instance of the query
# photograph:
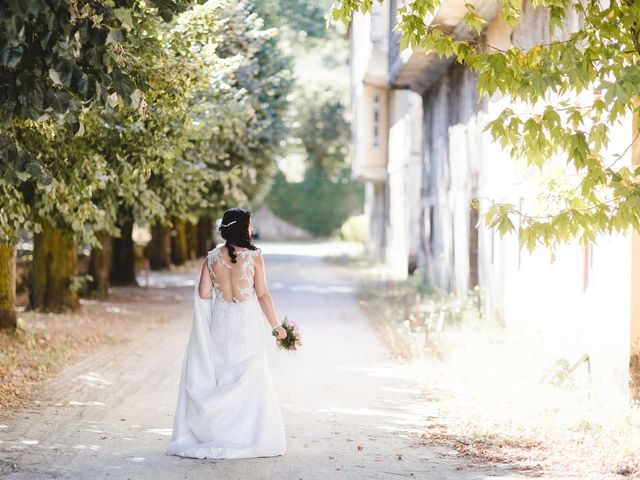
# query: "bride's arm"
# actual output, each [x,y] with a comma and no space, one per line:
[264,296]
[205,285]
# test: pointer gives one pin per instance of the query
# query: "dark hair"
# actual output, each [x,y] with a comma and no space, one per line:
[235,230]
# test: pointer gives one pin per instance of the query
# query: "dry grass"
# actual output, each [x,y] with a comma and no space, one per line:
[501,399]
[26,360]
[41,346]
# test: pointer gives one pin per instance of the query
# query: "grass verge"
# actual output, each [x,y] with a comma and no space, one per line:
[27,357]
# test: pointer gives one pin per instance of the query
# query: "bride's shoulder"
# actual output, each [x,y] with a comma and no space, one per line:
[257,255]
[248,251]
[213,253]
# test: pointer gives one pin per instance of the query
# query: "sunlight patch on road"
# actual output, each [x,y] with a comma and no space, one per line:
[323,290]
[400,417]
[392,429]
[86,447]
[117,310]
[30,442]
[162,431]
[136,459]
[94,380]
[165,280]
[385,370]
[409,391]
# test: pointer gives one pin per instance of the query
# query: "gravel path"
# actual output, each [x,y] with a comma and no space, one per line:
[351,411]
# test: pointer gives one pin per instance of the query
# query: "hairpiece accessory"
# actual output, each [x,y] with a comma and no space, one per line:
[230,223]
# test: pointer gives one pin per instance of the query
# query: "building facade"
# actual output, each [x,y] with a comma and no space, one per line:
[420,148]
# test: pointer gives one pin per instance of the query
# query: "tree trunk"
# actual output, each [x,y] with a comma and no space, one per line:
[55,263]
[205,236]
[100,264]
[179,242]
[123,258]
[192,240]
[7,286]
[159,251]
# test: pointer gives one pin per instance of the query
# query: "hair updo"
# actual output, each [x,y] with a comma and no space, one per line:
[235,230]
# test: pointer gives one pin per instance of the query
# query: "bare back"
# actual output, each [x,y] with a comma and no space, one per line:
[232,282]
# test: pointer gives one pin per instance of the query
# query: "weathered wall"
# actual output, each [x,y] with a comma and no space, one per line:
[576,302]
[404,172]
[449,179]
[573,303]
[369,126]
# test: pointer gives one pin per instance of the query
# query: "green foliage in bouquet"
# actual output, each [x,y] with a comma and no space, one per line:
[293,340]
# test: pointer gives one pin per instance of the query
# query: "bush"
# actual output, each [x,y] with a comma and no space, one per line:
[354,229]
[319,204]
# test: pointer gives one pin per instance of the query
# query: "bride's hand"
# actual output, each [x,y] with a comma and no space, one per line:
[280,332]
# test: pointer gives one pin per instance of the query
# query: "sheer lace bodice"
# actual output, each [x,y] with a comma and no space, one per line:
[232,282]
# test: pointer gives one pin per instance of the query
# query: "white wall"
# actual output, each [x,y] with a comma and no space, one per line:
[404,179]
[577,301]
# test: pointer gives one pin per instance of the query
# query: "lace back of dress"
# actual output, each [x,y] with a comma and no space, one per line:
[232,282]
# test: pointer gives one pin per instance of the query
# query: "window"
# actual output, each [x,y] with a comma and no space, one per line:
[376,120]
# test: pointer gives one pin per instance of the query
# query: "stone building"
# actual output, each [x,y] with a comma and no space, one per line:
[420,148]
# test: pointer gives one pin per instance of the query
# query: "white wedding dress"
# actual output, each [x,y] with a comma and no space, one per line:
[227,405]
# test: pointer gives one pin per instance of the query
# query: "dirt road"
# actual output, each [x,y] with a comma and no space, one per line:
[351,412]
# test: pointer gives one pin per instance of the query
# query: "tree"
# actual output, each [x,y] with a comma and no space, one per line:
[267,73]
[318,204]
[142,146]
[601,58]
[148,173]
[301,16]
[327,195]
[55,60]
[323,131]
[63,211]
[236,130]
[210,129]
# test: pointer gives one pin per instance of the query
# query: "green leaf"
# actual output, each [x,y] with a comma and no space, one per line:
[124,15]
[57,100]
[10,55]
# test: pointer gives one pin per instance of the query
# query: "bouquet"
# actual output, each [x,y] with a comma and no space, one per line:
[293,340]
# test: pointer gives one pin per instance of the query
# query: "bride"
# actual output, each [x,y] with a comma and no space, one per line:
[227,405]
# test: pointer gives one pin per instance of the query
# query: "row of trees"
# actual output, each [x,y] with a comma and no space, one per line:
[115,113]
